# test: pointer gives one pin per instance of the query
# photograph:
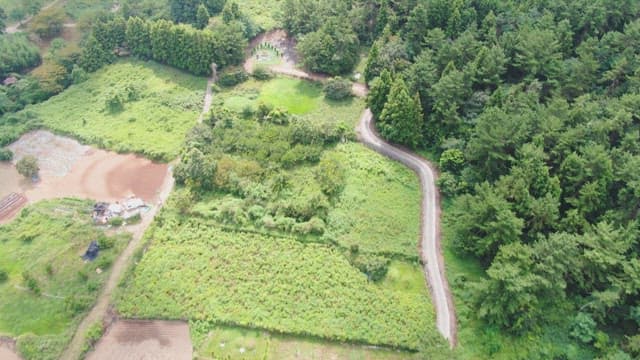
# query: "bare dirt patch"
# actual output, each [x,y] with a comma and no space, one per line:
[8,349]
[137,339]
[70,169]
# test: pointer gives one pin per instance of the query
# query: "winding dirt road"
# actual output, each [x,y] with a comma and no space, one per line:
[430,250]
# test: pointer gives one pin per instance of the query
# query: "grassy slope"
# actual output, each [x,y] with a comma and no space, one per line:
[155,125]
[78,8]
[54,234]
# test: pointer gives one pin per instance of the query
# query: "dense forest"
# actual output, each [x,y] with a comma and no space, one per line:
[533,109]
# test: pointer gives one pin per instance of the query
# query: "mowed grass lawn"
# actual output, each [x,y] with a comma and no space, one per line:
[298,97]
[45,244]
[157,106]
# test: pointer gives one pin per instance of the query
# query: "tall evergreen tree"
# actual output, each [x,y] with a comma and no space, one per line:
[3,18]
[401,118]
[138,37]
[379,92]
[202,17]
[94,56]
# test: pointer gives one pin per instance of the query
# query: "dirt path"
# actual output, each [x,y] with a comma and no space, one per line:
[430,248]
[12,29]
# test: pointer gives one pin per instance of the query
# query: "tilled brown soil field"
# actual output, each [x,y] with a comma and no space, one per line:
[70,169]
[141,339]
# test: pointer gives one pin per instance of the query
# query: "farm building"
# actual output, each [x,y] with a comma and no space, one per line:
[126,209]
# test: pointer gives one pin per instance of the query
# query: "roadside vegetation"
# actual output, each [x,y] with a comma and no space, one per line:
[46,287]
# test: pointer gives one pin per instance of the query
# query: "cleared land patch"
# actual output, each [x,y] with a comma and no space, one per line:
[131,339]
[70,169]
[224,342]
[48,286]
[131,106]
[379,208]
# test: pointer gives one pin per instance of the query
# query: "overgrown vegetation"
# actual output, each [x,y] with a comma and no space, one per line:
[17,53]
[128,107]
[272,283]
[48,287]
[265,181]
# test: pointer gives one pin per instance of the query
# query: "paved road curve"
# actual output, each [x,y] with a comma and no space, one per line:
[430,242]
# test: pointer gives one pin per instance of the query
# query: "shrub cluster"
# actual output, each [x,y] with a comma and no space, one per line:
[16,54]
[337,88]
[232,76]
[6,155]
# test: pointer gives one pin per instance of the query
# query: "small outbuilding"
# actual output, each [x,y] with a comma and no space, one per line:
[92,252]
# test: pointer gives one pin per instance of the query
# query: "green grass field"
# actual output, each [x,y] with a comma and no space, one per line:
[299,97]
[379,208]
[277,284]
[45,243]
[160,105]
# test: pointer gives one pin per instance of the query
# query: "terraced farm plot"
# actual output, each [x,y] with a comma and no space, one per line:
[199,272]
[131,106]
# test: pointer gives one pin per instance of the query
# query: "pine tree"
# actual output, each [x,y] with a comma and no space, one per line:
[379,91]
[202,17]
[372,69]
[94,56]
[401,119]
[3,18]
[138,37]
